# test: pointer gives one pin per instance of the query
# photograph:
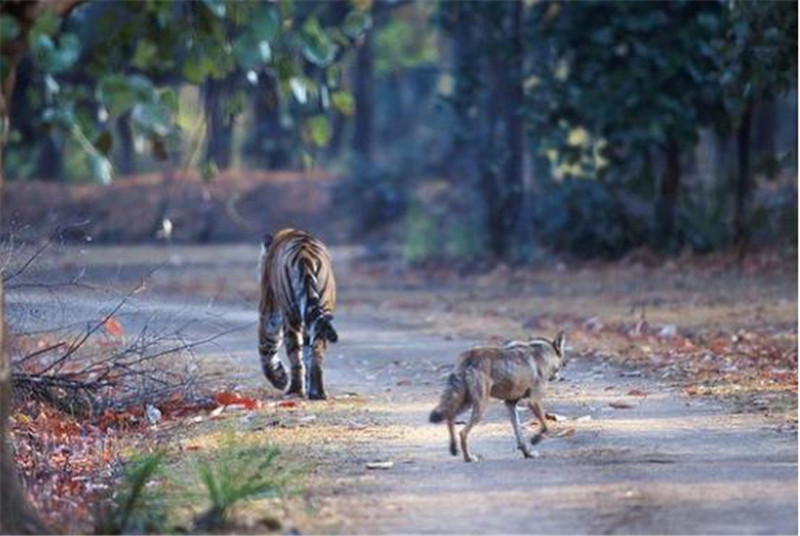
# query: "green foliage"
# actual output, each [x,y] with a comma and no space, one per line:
[441,226]
[318,130]
[356,23]
[9,29]
[159,44]
[757,54]
[55,58]
[316,44]
[137,507]
[402,44]
[344,102]
[236,475]
[641,76]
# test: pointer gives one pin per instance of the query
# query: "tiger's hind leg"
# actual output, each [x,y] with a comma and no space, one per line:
[270,336]
[313,354]
[294,342]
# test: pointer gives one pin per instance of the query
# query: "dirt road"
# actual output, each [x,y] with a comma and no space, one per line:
[661,463]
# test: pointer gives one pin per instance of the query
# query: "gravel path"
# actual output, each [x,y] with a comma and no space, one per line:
[666,464]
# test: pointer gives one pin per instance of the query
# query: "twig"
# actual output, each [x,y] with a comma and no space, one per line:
[26,264]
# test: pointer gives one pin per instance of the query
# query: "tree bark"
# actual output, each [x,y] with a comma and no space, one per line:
[16,514]
[50,165]
[667,236]
[268,143]
[126,165]
[220,121]
[503,183]
[743,186]
[362,137]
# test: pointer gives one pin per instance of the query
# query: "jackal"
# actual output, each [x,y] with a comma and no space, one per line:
[516,370]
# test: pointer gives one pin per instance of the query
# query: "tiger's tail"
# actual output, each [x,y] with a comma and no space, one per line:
[316,317]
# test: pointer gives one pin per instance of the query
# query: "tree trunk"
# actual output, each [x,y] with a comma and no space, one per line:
[362,137]
[740,234]
[16,514]
[666,234]
[515,131]
[126,163]
[50,165]
[764,127]
[268,144]
[502,177]
[219,120]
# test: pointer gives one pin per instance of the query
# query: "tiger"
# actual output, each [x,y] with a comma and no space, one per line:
[297,301]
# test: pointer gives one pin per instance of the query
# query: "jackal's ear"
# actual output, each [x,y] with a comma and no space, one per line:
[560,343]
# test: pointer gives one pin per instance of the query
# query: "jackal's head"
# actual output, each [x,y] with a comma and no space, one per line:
[558,357]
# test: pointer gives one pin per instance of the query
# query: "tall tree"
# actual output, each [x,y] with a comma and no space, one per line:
[362,90]
[487,100]
[625,80]
[759,63]
[16,514]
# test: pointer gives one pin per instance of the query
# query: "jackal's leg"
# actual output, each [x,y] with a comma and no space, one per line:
[478,394]
[538,412]
[452,429]
[511,406]
[270,335]
[294,342]
[478,409]
[313,353]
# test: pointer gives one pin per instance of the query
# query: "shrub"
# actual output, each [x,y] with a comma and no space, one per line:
[585,218]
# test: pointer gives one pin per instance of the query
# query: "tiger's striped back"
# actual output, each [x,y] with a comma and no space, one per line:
[297,281]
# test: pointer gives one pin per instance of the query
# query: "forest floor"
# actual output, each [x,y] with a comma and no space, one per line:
[679,401]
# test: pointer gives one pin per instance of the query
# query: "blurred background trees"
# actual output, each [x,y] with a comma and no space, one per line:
[458,130]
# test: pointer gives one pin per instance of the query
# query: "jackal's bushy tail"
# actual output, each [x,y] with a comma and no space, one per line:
[452,399]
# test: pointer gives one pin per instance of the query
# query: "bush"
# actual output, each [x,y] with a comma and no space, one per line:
[137,508]
[239,474]
[442,224]
[583,217]
[373,196]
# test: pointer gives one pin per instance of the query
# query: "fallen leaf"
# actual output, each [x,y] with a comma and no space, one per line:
[380,465]
[569,432]
[288,404]
[229,399]
[114,327]
[636,392]
[555,417]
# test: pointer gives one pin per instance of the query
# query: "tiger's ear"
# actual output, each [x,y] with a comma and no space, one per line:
[266,240]
[560,343]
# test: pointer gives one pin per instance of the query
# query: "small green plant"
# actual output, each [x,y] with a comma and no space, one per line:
[137,508]
[239,474]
